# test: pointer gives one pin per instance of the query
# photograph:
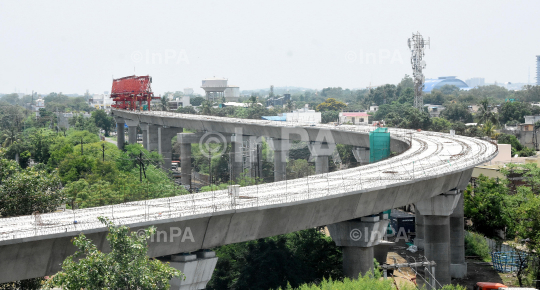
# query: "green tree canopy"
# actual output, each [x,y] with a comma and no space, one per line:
[331,104]
[127,266]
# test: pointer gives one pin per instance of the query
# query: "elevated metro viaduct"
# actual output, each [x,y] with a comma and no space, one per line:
[431,171]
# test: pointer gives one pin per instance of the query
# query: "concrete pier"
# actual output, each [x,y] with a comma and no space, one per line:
[165,135]
[436,212]
[185,164]
[458,266]
[281,150]
[236,158]
[358,238]
[419,228]
[144,129]
[197,268]
[152,138]
[120,133]
[132,131]
[320,151]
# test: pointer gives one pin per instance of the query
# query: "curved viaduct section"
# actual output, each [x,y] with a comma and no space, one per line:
[429,164]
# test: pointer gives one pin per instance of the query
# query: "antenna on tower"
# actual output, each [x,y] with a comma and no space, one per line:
[417,45]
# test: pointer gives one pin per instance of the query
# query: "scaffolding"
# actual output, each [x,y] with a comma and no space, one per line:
[379,144]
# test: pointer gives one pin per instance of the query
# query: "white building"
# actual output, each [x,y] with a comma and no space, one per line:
[232,93]
[373,108]
[531,119]
[101,101]
[304,115]
[355,118]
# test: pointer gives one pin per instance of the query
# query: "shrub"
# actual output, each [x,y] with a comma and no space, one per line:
[476,245]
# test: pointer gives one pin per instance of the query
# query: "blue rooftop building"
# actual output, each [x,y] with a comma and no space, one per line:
[437,84]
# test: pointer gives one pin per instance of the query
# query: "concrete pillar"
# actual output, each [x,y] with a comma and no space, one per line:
[380,251]
[165,135]
[321,164]
[197,268]
[419,239]
[152,138]
[281,149]
[358,237]
[185,140]
[144,129]
[185,164]
[458,266]
[361,154]
[436,212]
[357,260]
[132,131]
[236,158]
[320,151]
[120,134]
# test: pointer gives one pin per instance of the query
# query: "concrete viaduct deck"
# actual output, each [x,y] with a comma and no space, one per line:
[429,164]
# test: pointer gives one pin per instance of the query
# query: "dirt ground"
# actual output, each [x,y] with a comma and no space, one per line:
[476,270]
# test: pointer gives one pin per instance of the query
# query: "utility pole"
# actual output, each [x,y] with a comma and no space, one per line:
[103,150]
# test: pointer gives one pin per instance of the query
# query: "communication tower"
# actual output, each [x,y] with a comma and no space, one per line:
[417,45]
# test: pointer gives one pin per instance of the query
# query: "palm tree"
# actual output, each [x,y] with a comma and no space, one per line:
[488,129]
[485,114]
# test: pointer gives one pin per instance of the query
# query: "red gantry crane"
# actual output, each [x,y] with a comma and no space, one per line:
[132,93]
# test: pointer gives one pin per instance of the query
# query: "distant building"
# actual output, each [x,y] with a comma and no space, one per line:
[434,110]
[304,115]
[437,84]
[373,108]
[278,102]
[355,118]
[531,119]
[182,102]
[101,101]
[232,93]
[188,91]
[475,82]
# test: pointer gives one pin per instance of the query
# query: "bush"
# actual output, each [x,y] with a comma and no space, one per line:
[476,245]
[364,283]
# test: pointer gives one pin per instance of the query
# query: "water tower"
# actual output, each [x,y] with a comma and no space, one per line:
[214,88]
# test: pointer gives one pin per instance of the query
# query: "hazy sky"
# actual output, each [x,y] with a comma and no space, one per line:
[71,46]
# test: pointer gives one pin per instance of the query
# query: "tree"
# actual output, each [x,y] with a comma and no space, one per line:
[440,125]
[197,101]
[329,116]
[331,104]
[486,205]
[103,121]
[457,112]
[449,89]
[485,113]
[164,103]
[310,256]
[127,266]
[406,82]
[382,95]
[514,111]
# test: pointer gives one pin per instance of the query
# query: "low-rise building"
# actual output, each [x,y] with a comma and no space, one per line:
[304,115]
[355,118]
[434,110]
